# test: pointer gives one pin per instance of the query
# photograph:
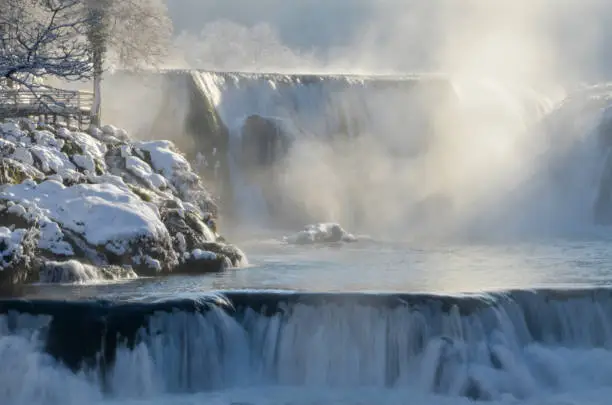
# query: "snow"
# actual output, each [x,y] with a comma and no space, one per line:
[96,133]
[150,262]
[143,171]
[90,146]
[11,249]
[10,128]
[153,263]
[163,158]
[23,155]
[110,179]
[325,232]
[109,130]
[103,213]
[17,209]
[52,159]
[64,133]
[126,151]
[52,239]
[90,204]
[85,162]
[199,254]
[182,242]
[47,139]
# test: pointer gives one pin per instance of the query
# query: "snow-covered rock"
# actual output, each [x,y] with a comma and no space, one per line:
[15,247]
[11,249]
[163,158]
[101,200]
[320,233]
[211,257]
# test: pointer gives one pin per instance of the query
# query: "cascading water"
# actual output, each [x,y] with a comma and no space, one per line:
[424,154]
[321,117]
[519,344]
[415,155]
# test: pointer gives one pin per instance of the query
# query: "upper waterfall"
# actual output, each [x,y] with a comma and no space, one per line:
[427,153]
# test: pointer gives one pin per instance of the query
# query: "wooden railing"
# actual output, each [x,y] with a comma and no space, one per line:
[45,101]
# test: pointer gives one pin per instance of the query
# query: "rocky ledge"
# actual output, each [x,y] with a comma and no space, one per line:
[76,206]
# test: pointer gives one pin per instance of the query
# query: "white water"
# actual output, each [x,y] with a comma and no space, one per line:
[503,176]
[425,156]
[336,354]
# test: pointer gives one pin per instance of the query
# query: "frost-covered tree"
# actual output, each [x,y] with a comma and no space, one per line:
[130,34]
[77,39]
[42,38]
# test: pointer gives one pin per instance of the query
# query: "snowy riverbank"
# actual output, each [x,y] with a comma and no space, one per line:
[102,200]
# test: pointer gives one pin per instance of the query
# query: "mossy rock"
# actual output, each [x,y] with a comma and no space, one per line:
[99,167]
[70,148]
[14,172]
[146,156]
[141,192]
[13,175]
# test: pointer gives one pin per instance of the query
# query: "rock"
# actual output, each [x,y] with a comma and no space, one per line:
[109,219]
[211,257]
[196,265]
[165,160]
[235,256]
[15,255]
[86,206]
[193,231]
[15,172]
[263,142]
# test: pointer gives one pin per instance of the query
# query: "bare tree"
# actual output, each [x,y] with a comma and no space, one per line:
[131,33]
[41,38]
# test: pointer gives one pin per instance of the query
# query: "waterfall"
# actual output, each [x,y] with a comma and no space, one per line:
[519,343]
[421,156]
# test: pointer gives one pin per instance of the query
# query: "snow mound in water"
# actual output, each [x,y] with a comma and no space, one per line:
[98,199]
[327,232]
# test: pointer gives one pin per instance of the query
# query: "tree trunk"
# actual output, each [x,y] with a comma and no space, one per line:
[97,36]
[96,108]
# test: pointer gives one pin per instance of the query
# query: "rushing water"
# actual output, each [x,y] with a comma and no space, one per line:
[485,278]
[416,337]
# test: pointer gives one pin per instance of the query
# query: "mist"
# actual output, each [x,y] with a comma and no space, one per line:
[395,36]
[485,160]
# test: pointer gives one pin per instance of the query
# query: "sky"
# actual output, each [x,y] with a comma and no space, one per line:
[404,35]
